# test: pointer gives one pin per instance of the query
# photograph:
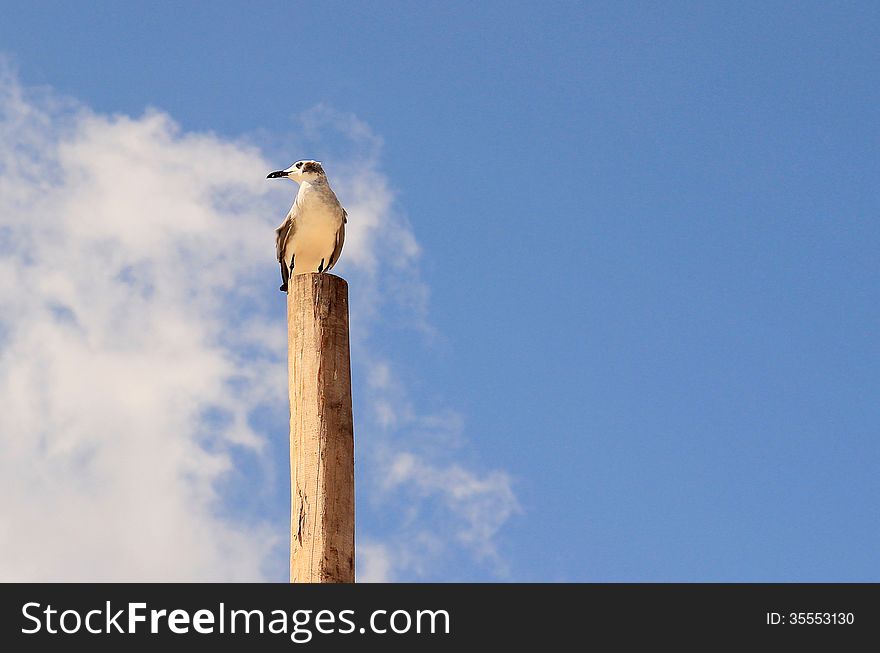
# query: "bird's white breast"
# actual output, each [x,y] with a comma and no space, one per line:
[318,218]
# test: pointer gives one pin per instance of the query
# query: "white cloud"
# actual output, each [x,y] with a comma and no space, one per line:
[121,253]
[129,369]
[417,476]
[374,562]
[482,504]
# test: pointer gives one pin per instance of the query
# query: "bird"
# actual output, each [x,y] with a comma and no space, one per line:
[311,237]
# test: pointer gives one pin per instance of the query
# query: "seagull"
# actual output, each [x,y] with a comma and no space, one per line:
[311,236]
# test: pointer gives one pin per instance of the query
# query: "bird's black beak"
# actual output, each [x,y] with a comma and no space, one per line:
[276,174]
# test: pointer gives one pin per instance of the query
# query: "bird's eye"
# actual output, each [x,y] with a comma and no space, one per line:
[299,165]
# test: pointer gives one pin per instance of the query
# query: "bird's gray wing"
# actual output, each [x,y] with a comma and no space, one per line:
[283,235]
[340,240]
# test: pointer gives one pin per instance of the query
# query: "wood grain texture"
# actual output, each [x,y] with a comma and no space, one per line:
[321,431]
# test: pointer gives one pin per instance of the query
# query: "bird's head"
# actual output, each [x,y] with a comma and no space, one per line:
[300,171]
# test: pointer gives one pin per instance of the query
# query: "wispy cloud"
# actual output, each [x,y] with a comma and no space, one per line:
[441,507]
[140,331]
[481,504]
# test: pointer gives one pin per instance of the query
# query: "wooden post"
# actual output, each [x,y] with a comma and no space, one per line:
[321,431]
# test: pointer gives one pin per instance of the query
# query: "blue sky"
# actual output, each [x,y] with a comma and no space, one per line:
[641,321]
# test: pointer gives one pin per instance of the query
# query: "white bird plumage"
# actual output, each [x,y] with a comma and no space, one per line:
[311,237]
